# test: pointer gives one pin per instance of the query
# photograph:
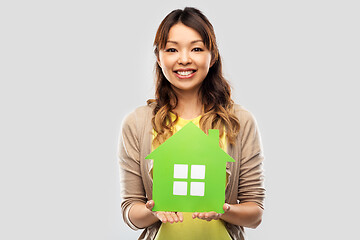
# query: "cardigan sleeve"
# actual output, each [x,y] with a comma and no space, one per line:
[131,184]
[251,176]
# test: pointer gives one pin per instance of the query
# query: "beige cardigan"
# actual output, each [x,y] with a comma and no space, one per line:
[246,181]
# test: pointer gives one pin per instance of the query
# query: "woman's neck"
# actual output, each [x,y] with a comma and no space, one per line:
[189,106]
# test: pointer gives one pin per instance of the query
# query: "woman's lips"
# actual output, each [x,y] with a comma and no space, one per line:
[184,77]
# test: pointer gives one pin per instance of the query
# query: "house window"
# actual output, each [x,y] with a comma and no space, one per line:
[196,187]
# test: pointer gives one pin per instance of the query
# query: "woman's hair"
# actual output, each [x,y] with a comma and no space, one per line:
[215,92]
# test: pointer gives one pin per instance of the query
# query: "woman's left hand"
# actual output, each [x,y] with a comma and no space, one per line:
[208,216]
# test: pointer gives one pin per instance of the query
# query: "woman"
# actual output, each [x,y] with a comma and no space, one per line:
[190,87]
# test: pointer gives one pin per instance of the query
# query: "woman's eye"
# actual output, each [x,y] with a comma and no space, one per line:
[197,49]
[170,50]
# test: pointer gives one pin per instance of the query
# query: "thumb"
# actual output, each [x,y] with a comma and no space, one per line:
[226,207]
[149,204]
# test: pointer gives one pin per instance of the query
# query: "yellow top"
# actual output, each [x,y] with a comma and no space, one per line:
[193,229]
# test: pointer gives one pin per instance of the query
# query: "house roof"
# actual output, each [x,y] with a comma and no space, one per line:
[191,140]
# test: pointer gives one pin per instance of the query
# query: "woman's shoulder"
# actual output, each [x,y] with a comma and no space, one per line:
[138,115]
[141,111]
[248,125]
[243,113]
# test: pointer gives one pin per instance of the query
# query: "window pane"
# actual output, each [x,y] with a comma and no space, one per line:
[197,188]
[180,171]
[180,188]
[198,171]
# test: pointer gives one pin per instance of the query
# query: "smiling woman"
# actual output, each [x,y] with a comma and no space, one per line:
[190,87]
[185,61]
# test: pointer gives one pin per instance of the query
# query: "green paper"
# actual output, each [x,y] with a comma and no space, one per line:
[189,172]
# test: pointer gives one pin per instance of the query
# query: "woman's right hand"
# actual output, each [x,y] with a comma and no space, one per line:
[164,217]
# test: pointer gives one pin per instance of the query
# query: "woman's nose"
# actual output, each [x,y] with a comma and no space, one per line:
[184,58]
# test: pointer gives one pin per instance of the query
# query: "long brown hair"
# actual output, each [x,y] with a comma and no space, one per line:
[215,92]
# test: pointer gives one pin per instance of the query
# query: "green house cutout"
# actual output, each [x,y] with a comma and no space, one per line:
[189,172]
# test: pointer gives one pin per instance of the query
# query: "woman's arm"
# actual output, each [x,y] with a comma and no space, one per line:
[251,191]
[131,183]
[247,214]
[136,211]
[141,215]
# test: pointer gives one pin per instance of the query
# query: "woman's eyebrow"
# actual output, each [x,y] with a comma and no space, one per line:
[192,42]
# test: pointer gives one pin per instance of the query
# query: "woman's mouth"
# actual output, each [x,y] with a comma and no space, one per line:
[185,74]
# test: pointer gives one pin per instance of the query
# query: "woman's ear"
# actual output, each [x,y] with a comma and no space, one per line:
[214,58]
[158,61]
[213,61]
[157,55]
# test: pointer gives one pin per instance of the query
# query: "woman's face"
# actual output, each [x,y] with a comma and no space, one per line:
[185,61]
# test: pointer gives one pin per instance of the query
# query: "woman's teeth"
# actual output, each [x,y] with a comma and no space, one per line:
[184,73]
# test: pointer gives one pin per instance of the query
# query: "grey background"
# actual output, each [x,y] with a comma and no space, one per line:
[71,70]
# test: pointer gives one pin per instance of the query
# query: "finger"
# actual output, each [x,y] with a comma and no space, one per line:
[161,216]
[149,204]
[195,215]
[169,217]
[174,216]
[207,217]
[180,215]
[201,215]
[216,216]
[210,216]
[226,207]
[213,215]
